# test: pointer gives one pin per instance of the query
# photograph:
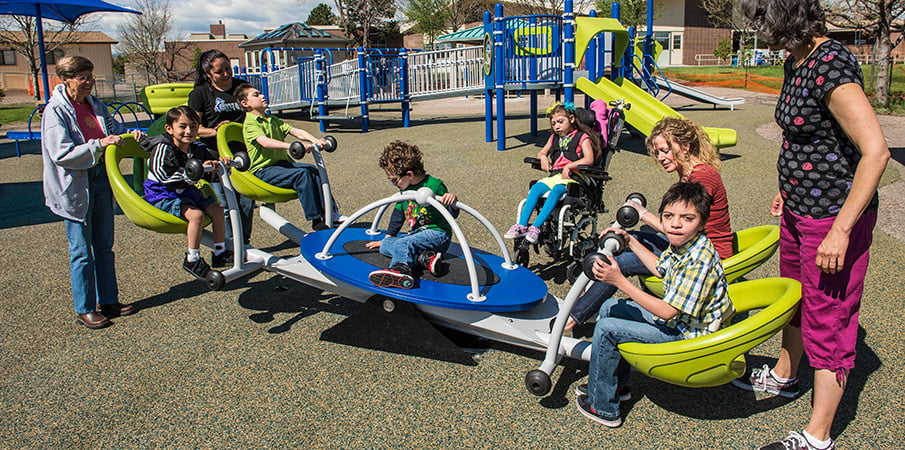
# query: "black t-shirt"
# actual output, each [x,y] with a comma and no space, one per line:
[215,106]
[817,161]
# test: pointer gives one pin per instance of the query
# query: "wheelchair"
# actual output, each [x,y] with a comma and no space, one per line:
[571,231]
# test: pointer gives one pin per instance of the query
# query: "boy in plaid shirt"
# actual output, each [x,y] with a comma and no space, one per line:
[695,301]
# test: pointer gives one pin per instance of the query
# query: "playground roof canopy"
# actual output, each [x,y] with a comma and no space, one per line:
[295,33]
[468,34]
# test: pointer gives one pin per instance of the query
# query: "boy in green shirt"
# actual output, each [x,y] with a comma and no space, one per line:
[429,232]
[270,161]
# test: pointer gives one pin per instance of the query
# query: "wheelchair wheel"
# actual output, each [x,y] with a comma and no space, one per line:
[522,257]
[573,271]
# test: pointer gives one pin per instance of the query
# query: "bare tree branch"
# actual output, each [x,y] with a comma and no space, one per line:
[20,33]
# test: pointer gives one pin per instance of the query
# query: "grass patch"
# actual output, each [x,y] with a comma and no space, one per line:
[768,79]
[18,113]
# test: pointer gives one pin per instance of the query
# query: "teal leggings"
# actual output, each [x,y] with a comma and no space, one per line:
[534,195]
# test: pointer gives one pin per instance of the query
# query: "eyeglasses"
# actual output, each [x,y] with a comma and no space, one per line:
[83,78]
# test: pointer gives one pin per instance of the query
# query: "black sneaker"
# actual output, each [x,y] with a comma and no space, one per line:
[199,269]
[430,261]
[318,225]
[224,259]
[624,392]
[584,407]
[398,276]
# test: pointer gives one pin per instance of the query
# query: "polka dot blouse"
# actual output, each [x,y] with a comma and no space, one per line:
[817,160]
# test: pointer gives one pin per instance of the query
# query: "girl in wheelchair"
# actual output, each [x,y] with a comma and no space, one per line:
[571,144]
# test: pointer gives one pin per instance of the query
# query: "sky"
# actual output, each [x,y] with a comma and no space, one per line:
[248,17]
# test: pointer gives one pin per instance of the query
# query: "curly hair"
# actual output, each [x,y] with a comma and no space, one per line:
[399,157]
[686,134]
[789,24]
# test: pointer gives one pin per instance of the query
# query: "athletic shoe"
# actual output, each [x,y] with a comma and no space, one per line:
[199,269]
[224,259]
[533,233]
[430,261]
[398,276]
[585,408]
[762,380]
[318,225]
[624,392]
[795,441]
[516,231]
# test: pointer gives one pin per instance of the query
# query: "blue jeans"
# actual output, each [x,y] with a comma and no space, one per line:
[406,247]
[91,260]
[246,212]
[301,177]
[587,305]
[621,321]
[534,196]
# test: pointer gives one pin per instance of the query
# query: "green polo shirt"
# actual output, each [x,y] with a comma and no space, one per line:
[272,127]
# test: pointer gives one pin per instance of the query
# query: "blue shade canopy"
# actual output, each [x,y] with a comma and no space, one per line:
[60,10]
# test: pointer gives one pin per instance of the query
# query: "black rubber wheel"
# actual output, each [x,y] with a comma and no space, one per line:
[538,382]
[331,144]
[573,271]
[612,235]
[194,169]
[241,161]
[297,150]
[627,216]
[215,280]
[639,196]
[587,263]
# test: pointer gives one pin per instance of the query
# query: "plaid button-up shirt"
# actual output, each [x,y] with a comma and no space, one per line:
[694,284]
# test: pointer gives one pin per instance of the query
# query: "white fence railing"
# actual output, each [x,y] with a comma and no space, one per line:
[446,71]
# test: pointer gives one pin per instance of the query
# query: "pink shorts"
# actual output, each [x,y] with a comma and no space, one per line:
[828,316]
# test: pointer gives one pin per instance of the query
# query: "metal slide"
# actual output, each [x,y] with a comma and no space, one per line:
[697,94]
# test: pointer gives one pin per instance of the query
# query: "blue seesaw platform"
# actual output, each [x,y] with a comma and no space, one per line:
[505,290]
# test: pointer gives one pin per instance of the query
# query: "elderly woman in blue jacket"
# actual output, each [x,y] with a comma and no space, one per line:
[75,129]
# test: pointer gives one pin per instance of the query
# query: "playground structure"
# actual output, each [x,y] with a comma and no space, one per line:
[521,54]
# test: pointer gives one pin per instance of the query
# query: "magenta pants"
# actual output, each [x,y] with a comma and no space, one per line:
[828,316]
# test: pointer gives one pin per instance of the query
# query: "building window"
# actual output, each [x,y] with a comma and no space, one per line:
[677,41]
[54,56]
[7,57]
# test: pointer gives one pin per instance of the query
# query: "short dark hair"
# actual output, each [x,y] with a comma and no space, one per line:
[175,113]
[785,23]
[691,193]
[399,157]
[241,91]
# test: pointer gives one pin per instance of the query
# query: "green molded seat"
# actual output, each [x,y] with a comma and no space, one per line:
[135,207]
[719,357]
[751,247]
[159,98]
[230,140]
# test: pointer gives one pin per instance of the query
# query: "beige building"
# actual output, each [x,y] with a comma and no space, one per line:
[15,74]
[185,52]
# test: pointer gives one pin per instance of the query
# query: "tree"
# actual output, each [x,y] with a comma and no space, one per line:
[461,12]
[321,15]
[19,33]
[632,13]
[361,18]
[143,37]
[119,64]
[880,19]
[430,18]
